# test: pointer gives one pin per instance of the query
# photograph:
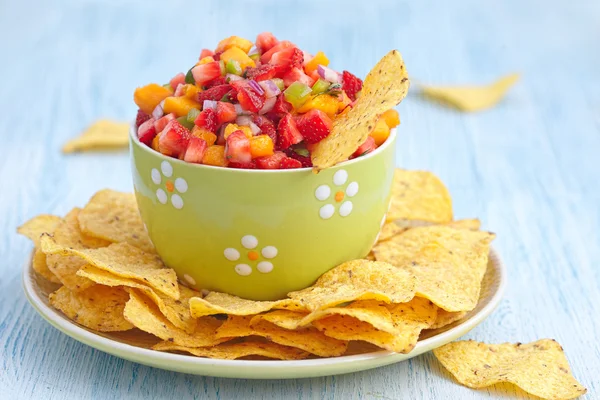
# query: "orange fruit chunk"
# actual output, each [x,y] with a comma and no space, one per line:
[215,155]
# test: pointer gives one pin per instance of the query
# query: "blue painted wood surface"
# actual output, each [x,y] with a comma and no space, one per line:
[528,168]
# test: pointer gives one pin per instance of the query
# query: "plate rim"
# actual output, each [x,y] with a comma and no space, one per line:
[256,369]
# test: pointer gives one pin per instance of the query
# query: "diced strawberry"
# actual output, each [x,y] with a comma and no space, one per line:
[208,120]
[290,163]
[297,74]
[225,112]
[288,132]
[314,126]
[214,93]
[205,53]
[368,146]
[177,80]
[288,58]
[265,42]
[217,56]
[237,148]
[205,72]
[284,44]
[141,117]
[174,139]
[160,123]
[248,165]
[315,75]
[270,162]
[281,106]
[221,80]
[146,131]
[304,160]
[262,72]
[195,150]
[266,126]
[249,99]
[351,84]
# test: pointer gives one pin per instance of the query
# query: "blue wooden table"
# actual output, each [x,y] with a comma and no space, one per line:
[528,168]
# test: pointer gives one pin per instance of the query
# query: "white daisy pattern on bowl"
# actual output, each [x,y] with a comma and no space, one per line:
[341,196]
[169,186]
[252,255]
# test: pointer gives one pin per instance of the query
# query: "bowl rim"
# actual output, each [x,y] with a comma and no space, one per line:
[390,141]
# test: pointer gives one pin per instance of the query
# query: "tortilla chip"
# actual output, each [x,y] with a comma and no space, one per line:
[409,319]
[307,339]
[446,318]
[233,351]
[34,228]
[357,280]
[122,259]
[176,311]
[223,303]
[102,134]
[539,368]
[420,196]
[384,87]
[99,307]
[145,315]
[388,230]
[114,216]
[40,266]
[471,98]
[472,224]
[448,263]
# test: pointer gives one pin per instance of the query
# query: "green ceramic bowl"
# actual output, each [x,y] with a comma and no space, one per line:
[260,234]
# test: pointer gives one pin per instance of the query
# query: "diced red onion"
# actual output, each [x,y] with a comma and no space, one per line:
[269,104]
[179,90]
[256,87]
[233,78]
[254,128]
[243,120]
[270,88]
[239,110]
[212,104]
[328,74]
[253,51]
[158,110]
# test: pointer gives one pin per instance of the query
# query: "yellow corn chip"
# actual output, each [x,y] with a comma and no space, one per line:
[41,267]
[471,98]
[384,87]
[421,196]
[34,228]
[233,351]
[388,230]
[98,307]
[472,224]
[539,368]
[176,311]
[114,216]
[102,134]
[446,318]
[144,315]
[223,303]
[357,280]
[409,318]
[122,259]
[448,263]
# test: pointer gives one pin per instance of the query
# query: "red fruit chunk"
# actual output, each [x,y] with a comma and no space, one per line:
[266,126]
[290,163]
[261,73]
[284,44]
[217,56]
[249,165]
[205,53]
[146,131]
[368,146]
[249,99]
[305,161]
[195,150]
[174,139]
[281,105]
[160,123]
[297,74]
[351,84]
[314,126]
[288,58]
[225,112]
[270,162]
[141,117]
[214,93]
[208,120]
[177,80]
[237,148]
[265,42]
[288,132]
[205,72]
[215,82]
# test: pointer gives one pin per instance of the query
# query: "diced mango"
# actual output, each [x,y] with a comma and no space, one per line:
[154,143]
[190,91]
[319,59]
[324,102]
[237,54]
[345,102]
[205,60]
[149,96]
[230,128]
[381,132]
[261,146]
[391,118]
[209,137]
[241,43]
[215,155]
[180,106]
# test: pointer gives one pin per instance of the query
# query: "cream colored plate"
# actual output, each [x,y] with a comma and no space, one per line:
[133,345]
